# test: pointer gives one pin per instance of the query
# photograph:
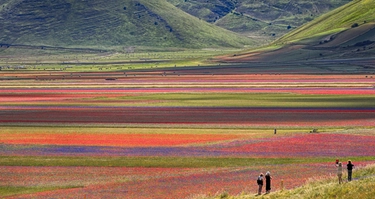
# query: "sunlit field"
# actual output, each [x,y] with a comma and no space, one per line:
[171,134]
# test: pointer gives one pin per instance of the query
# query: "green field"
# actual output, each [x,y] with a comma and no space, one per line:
[220,100]
[250,100]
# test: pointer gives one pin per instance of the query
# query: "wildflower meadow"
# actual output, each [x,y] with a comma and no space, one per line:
[169,135]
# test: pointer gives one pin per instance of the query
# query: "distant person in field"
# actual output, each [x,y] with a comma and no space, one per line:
[350,167]
[339,172]
[268,182]
[260,183]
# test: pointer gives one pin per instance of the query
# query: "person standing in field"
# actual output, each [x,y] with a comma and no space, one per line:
[268,182]
[350,167]
[260,183]
[339,172]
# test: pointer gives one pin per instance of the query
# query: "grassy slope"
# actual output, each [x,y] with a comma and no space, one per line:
[326,188]
[198,31]
[357,11]
[102,23]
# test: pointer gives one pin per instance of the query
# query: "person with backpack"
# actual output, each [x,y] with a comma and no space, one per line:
[350,167]
[260,183]
[268,182]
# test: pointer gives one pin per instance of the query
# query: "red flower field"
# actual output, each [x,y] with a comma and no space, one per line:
[189,145]
[124,140]
[309,145]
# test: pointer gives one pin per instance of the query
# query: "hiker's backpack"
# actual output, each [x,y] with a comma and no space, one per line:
[259,180]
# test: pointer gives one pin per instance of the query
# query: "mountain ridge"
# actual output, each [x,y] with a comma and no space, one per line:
[266,19]
[101,24]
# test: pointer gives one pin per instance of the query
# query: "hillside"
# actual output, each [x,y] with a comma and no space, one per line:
[265,19]
[344,33]
[102,24]
[343,18]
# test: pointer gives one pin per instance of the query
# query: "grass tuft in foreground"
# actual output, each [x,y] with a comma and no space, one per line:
[16,190]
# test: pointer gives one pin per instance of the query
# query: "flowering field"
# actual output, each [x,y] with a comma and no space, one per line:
[167,135]
[173,116]
[154,183]
[253,100]
[115,182]
[128,140]
[162,170]
[210,144]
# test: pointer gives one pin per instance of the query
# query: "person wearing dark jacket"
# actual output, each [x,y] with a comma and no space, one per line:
[260,183]
[350,167]
[268,182]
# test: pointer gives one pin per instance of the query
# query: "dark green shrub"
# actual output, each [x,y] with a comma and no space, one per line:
[355,25]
